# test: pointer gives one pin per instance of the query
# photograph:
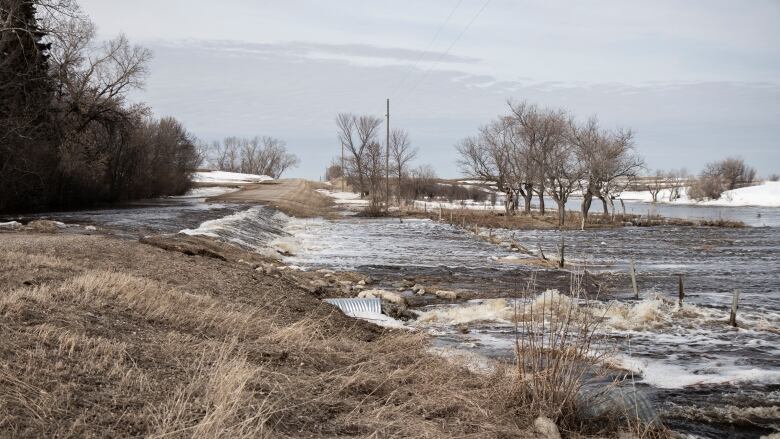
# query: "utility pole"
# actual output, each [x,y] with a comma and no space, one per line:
[387,160]
[343,171]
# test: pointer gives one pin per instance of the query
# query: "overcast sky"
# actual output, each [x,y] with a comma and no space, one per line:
[696,80]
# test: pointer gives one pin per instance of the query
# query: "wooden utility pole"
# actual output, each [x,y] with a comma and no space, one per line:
[387,159]
[343,171]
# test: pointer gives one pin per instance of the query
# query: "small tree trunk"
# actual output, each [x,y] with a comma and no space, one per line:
[605,207]
[528,196]
[587,199]
[561,213]
[541,201]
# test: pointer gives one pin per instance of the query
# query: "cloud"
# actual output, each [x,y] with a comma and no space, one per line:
[324,51]
[219,88]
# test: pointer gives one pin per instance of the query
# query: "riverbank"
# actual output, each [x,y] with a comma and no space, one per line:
[106,337]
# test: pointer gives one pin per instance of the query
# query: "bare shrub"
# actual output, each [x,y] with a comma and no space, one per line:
[555,348]
[706,187]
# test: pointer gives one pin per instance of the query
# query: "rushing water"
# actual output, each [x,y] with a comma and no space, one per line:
[707,378]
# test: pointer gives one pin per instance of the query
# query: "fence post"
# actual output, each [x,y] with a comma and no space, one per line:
[681,289]
[633,279]
[734,303]
[561,247]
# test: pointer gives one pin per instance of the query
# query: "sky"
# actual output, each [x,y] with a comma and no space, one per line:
[696,80]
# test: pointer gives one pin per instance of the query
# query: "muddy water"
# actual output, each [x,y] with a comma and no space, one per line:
[707,378]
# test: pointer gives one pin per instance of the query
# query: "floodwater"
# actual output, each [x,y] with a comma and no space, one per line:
[705,377]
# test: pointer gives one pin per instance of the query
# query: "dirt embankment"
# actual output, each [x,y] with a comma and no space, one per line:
[296,197]
[113,338]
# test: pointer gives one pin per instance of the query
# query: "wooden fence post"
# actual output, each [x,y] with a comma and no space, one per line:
[681,289]
[560,253]
[633,279]
[734,304]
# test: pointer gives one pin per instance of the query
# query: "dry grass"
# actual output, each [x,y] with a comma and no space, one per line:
[558,347]
[104,344]
[109,338]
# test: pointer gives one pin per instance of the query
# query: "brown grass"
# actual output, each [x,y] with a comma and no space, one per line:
[110,338]
[114,338]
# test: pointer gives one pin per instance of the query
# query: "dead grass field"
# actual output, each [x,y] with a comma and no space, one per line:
[111,338]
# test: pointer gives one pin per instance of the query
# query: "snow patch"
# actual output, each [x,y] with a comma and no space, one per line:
[339,197]
[223,177]
[10,225]
[766,194]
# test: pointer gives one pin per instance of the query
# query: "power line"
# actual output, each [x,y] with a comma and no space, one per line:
[455,41]
[430,44]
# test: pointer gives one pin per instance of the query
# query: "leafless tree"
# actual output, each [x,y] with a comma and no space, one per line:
[401,155]
[563,170]
[356,133]
[609,159]
[542,132]
[677,180]
[374,168]
[734,172]
[656,183]
[258,155]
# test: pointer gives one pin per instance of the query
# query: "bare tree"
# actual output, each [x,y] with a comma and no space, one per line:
[401,154]
[374,168]
[609,159]
[563,170]
[356,133]
[734,172]
[656,183]
[677,180]
[542,132]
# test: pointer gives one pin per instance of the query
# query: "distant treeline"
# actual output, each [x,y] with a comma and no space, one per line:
[68,135]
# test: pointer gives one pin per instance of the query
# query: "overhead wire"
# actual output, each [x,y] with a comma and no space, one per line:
[446,52]
[428,47]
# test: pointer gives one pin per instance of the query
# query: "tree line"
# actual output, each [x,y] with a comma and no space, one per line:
[533,151]
[258,155]
[68,135]
[716,177]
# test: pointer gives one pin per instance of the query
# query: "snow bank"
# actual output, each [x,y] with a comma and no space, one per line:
[10,225]
[223,177]
[206,192]
[766,194]
[344,197]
